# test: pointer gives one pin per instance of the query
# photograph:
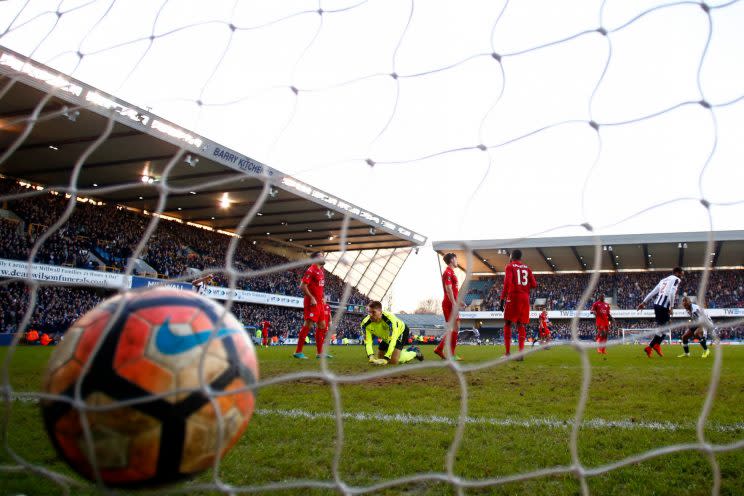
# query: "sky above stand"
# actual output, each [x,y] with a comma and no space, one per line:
[655,153]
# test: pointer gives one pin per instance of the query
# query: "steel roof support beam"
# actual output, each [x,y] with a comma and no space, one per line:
[575,252]
[379,274]
[396,273]
[613,260]
[485,262]
[717,250]
[549,262]
[369,262]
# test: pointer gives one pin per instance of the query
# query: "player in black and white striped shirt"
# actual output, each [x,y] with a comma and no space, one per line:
[701,319]
[664,295]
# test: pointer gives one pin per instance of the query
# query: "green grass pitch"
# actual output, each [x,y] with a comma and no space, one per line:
[519,420]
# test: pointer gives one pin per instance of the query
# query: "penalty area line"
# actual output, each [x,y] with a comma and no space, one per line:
[405,418]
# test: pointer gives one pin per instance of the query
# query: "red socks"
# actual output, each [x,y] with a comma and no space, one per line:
[453,341]
[522,335]
[507,337]
[301,338]
[319,339]
[601,348]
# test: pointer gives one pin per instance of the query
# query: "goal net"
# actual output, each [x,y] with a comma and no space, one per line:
[464,120]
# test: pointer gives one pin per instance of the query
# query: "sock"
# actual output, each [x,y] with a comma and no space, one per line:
[704,344]
[440,346]
[685,346]
[655,342]
[406,356]
[522,333]
[507,337]
[301,338]
[319,339]
[265,341]
[453,341]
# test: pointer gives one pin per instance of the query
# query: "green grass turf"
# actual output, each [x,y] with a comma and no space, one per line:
[625,387]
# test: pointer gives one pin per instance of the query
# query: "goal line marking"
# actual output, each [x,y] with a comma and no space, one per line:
[530,422]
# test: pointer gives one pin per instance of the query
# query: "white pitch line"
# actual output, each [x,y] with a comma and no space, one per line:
[406,418]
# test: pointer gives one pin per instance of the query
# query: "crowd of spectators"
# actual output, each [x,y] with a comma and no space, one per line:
[112,233]
[58,307]
[561,329]
[286,322]
[55,309]
[563,291]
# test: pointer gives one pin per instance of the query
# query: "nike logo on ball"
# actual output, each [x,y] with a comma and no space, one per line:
[169,343]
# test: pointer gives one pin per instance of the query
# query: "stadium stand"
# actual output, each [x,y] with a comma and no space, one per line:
[627,289]
[58,307]
[104,236]
[423,321]
[111,233]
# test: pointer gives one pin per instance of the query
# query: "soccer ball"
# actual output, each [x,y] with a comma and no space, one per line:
[152,350]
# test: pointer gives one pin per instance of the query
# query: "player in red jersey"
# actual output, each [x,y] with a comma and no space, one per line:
[544,331]
[450,304]
[265,333]
[602,317]
[320,334]
[313,286]
[515,298]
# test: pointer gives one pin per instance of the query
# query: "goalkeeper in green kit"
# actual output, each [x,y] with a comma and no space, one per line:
[393,335]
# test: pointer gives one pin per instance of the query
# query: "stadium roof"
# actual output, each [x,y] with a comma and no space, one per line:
[72,125]
[619,252]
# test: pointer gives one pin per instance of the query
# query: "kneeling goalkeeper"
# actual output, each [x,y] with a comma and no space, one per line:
[393,335]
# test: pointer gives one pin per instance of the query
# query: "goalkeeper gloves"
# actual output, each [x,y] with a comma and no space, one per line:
[377,361]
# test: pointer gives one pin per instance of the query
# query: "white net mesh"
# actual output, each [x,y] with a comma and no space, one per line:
[288,58]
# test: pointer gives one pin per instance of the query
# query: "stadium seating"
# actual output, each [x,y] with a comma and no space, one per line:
[58,307]
[96,236]
[627,289]
[110,234]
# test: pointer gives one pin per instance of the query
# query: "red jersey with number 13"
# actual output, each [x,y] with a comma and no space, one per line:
[449,278]
[315,279]
[518,280]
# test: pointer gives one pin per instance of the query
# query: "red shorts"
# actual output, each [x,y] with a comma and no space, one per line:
[517,309]
[447,310]
[265,333]
[544,333]
[315,313]
[603,329]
